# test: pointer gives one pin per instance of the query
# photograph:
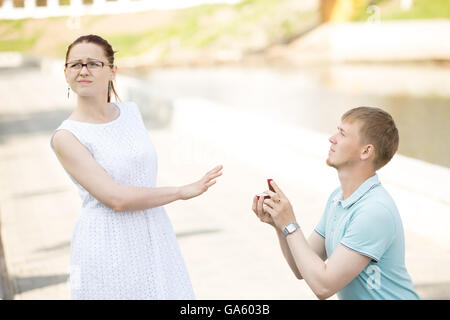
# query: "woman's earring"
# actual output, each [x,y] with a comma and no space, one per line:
[68,92]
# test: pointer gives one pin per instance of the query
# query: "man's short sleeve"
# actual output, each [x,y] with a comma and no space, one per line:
[320,228]
[371,231]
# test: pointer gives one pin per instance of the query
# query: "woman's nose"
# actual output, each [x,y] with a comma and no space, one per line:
[84,70]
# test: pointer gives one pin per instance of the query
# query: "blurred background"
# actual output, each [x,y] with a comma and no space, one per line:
[255,85]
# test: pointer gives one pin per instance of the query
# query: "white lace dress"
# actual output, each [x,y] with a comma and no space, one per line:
[123,254]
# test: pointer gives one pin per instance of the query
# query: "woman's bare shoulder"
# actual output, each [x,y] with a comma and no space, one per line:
[63,141]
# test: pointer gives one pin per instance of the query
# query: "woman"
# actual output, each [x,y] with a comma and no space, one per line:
[123,244]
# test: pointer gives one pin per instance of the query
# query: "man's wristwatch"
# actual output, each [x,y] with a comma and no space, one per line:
[290,228]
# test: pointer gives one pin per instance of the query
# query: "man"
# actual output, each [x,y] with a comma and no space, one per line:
[360,233]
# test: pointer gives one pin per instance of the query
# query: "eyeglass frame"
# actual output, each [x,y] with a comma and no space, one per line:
[86,65]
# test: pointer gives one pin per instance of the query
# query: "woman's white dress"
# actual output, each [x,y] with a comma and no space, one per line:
[123,254]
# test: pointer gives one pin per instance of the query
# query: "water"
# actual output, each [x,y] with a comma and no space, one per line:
[316,97]
[417,96]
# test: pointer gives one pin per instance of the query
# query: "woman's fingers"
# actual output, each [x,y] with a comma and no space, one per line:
[215,169]
[208,180]
[210,183]
[212,174]
[216,175]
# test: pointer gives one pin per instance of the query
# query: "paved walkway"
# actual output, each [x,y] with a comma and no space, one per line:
[229,253]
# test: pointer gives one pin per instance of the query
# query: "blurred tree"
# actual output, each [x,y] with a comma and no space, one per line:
[19,3]
[338,10]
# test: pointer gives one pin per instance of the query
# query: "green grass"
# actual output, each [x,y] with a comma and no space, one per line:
[192,28]
[17,45]
[10,26]
[188,31]
[421,9]
[13,29]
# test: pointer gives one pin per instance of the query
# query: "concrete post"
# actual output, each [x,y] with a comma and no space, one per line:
[6,288]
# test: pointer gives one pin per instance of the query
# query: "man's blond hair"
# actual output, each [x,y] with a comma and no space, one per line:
[377,128]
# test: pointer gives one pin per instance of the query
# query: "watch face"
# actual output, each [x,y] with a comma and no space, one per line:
[290,228]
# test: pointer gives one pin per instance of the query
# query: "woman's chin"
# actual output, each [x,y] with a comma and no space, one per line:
[83,93]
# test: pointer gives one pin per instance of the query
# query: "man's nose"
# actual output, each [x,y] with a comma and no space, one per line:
[332,139]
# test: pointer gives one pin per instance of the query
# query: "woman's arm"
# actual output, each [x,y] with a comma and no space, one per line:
[79,163]
[141,198]
[136,198]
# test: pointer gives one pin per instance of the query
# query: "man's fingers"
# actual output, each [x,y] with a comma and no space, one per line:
[269,210]
[273,195]
[255,201]
[259,207]
[255,208]
[269,202]
[270,193]
[277,189]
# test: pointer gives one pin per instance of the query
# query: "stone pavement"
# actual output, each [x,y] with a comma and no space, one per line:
[228,252]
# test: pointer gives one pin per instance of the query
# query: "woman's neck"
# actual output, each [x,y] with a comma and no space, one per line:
[95,109]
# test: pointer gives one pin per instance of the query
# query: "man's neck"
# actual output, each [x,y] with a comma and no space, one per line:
[352,178]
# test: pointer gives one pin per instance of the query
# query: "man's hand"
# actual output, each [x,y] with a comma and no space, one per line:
[258,209]
[278,207]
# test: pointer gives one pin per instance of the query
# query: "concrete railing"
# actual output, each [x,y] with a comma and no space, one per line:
[56,8]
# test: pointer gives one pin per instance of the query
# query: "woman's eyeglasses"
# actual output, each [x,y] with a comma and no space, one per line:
[91,65]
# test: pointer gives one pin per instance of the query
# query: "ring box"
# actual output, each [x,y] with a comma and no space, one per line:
[263,194]
[270,186]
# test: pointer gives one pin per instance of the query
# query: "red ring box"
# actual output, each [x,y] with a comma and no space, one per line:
[270,186]
[265,195]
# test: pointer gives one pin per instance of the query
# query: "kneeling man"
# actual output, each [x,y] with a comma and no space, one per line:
[360,234]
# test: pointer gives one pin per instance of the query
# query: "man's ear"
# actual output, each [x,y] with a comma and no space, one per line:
[367,152]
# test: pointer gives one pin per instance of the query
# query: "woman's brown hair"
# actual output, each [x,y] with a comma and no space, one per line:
[109,54]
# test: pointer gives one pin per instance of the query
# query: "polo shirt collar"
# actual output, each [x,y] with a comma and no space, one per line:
[367,185]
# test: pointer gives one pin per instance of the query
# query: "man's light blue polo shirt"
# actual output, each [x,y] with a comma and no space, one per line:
[368,222]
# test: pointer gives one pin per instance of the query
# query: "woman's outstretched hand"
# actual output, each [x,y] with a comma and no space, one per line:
[197,188]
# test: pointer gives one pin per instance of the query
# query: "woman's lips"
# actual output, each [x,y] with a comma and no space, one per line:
[84,81]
